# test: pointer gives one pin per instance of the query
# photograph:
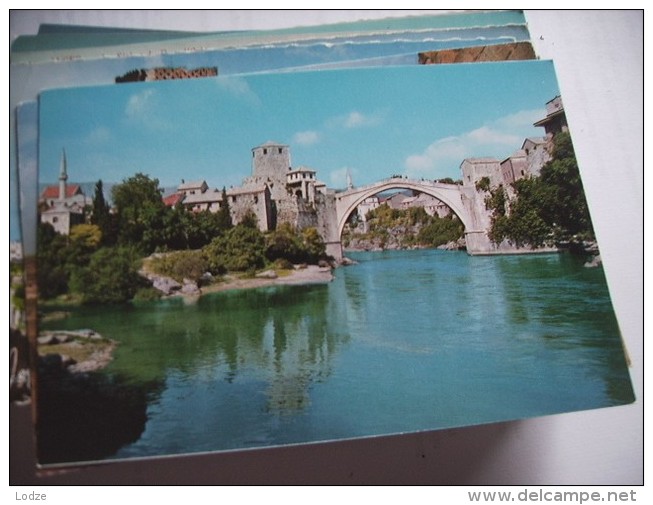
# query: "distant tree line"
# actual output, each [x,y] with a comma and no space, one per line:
[98,262]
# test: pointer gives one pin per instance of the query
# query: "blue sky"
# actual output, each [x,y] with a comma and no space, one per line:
[421,121]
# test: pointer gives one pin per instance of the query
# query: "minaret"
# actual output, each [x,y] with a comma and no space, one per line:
[350,183]
[63,176]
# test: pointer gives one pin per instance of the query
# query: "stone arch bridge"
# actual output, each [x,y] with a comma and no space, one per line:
[460,199]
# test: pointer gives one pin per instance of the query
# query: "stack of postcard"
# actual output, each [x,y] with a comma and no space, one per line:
[242,240]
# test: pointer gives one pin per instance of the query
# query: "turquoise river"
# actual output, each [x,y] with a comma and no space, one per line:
[402,341]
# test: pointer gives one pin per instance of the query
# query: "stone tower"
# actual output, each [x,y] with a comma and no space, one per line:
[271,161]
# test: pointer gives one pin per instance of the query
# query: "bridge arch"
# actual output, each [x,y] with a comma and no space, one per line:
[449,194]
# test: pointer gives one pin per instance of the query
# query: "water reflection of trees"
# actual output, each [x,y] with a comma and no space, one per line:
[286,336]
[87,416]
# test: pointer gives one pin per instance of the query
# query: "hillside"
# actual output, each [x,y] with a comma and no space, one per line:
[386,228]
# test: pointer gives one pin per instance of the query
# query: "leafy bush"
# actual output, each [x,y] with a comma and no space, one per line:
[240,249]
[483,184]
[440,231]
[181,265]
[296,247]
[147,295]
[282,264]
[546,209]
[110,277]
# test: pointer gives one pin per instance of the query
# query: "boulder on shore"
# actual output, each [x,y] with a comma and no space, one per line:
[190,288]
[594,262]
[267,274]
[166,285]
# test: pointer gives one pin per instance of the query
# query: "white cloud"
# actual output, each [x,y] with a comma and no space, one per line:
[137,105]
[486,135]
[355,119]
[100,135]
[239,88]
[145,110]
[306,138]
[521,118]
[498,138]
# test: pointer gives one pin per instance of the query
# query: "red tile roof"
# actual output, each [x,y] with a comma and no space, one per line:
[53,191]
[173,199]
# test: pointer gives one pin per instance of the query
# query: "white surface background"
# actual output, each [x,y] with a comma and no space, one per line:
[598,57]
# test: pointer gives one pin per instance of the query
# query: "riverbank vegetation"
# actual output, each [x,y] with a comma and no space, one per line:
[388,228]
[99,262]
[548,210]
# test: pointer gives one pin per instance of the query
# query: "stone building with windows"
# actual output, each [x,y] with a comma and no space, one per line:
[555,120]
[62,205]
[275,192]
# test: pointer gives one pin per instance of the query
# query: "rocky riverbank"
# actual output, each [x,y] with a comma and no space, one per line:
[361,244]
[304,274]
[75,350]
[299,274]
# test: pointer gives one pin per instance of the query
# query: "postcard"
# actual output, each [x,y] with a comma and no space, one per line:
[61,43]
[260,260]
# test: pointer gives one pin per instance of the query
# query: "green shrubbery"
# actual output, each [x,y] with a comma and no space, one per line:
[240,249]
[440,231]
[111,276]
[546,210]
[99,262]
[181,265]
[413,227]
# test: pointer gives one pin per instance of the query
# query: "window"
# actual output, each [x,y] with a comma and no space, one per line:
[265,151]
[280,150]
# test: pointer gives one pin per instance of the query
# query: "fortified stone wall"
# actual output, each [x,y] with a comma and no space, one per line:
[240,204]
[474,169]
[538,156]
[306,215]
[287,211]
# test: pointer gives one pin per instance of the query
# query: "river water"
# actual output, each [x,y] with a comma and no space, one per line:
[402,341]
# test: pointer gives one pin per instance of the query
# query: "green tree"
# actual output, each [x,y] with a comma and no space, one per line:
[181,265]
[564,207]
[547,209]
[224,213]
[249,220]
[83,241]
[483,184]
[140,212]
[314,246]
[52,255]
[110,277]
[88,236]
[440,230]
[242,248]
[101,215]
[283,243]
